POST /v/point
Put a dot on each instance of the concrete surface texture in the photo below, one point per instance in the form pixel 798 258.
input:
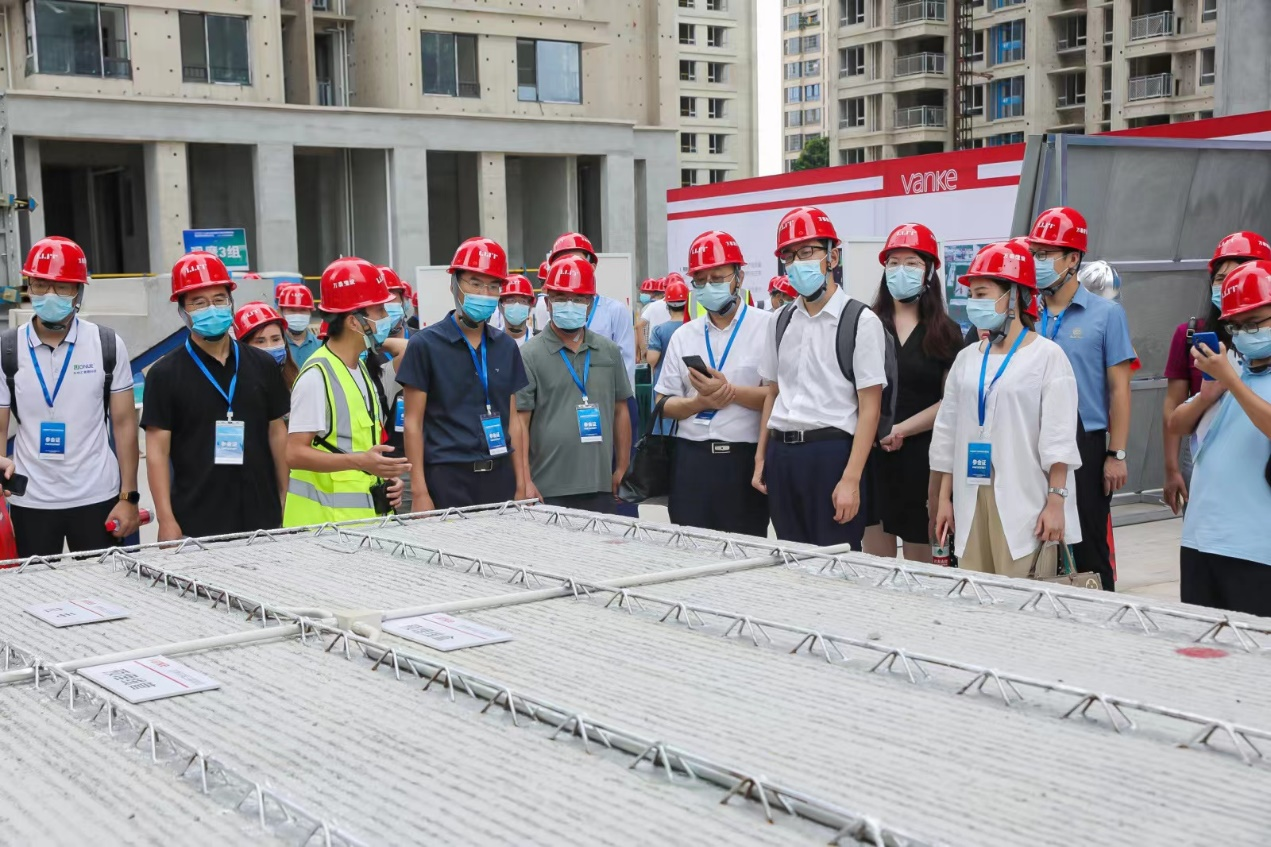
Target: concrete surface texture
pixel 392 742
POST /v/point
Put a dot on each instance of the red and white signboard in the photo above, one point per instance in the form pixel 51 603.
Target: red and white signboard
pixel 965 196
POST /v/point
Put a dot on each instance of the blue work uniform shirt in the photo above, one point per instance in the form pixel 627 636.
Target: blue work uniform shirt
pixel 614 321
pixel 1095 335
pixel 438 362
pixel 302 351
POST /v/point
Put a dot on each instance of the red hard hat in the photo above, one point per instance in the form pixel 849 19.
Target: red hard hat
pixel 294 295
pixel 659 285
pixel 1246 288
pixel 572 275
pixel 252 275
pixel 56 259
pixel 1060 227
pixel 648 286
pixel 782 284
pixel 253 316
pixel 199 270
pixel 517 286
pixel 915 237
pixel 350 284
pixel 806 223
pixel 572 241
pixel 1242 246
pixel 713 249
pixel 1006 261
pixel 482 256
pixel 392 280
pixel 542 271
pixel 674 277
pixel 676 292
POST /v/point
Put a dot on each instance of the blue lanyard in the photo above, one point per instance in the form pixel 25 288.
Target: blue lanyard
pixel 1059 319
pixel 595 307
pixel 581 383
pixel 984 366
pixel 482 367
pixel 706 331
pixel 233 383
pixel 35 363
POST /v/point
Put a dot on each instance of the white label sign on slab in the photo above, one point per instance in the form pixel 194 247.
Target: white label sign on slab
pixel 445 632
pixel 71 612
pixel 153 678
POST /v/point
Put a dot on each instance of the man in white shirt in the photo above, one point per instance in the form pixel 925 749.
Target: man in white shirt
pixel 718 411
pixel 818 427
pixel 58 393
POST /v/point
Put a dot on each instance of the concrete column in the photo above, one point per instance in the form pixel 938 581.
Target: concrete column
pixel 34 187
pixel 276 240
pixel 617 203
pixel 492 196
pixel 571 194
pixel 408 185
pixel 1241 63
pixel 167 202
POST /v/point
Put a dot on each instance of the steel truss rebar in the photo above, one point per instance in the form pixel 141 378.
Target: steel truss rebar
pixel 571 723
pixel 1097 607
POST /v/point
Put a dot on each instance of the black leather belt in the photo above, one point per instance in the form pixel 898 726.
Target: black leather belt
pixel 483 466
pixel 804 436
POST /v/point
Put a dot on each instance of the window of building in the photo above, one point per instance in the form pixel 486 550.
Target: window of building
pixel 1007 42
pixel 852 61
pixel 83 39
pixel 794 70
pixel 1003 4
pixel 716 143
pixel 794 94
pixel 811 43
pixel 450 64
pixel 851 12
pixel 688 34
pixel 717 72
pixel 852 112
pixel 794 118
pixel 688 177
pixel 715 36
pixel 686 4
pixel 852 156
pixel 717 175
pixel 214 49
pixel 688 107
pixel 1006 98
pixel 1072 33
pixel 812 93
pixel 973 100
pixel 548 71
pixel 793 45
pixel 716 6
pixel 715 108
pixel 688 142
pixel 794 143
pixel 811 19
pixel 1207 66
pixel 811 117
pixel 791 22
pixel 1072 90
pixel 688 70
pixel 1209 10
pixel 812 67
pixel 1005 138
pixel 977 46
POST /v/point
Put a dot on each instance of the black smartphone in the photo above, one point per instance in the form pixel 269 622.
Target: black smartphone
pixel 696 363
pixel 1210 340
pixel 16 484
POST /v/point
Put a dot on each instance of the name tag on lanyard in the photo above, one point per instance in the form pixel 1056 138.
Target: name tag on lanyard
pixel 230 437
pixel 492 426
pixel 589 430
pixel 979 463
pixel 979 457
pixel 52 433
pixel 399 415
pixel 52 441
pixel 707 415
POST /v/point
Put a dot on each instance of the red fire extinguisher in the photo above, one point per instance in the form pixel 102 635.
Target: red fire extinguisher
pixel 8 543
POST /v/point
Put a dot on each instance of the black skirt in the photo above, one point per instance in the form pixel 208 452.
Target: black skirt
pixel 900 482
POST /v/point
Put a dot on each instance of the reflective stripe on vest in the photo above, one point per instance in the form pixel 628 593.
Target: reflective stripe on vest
pixel 338 406
pixel 334 500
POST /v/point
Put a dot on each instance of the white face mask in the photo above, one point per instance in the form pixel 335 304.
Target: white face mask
pixel 297 323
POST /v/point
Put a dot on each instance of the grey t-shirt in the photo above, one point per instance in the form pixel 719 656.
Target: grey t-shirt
pixel 560 463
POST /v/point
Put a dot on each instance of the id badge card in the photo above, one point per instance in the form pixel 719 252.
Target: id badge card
pixel 229 443
pixel 706 415
pixel 492 425
pixel 589 424
pixel 399 415
pixel 52 441
pixel 979 463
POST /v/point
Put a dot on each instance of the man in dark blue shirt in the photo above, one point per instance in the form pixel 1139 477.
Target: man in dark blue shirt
pixel 460 377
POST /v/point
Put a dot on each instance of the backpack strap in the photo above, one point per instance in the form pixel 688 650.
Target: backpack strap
pixel 109 360
pixel 9 363
pixel 1191 330
pixel 849 325
pixel 783 321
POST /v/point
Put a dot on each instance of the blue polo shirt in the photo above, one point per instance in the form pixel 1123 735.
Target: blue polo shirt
pixel 438 362
pixel 301 352
pixel 1094 334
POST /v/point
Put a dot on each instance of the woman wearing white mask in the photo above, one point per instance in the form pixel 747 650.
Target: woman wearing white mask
pixel 260 325
pixel 515 302
pixel 911 306
pixel 1004 444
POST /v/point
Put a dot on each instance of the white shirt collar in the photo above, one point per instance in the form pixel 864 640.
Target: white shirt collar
pixel 834 305
pixel 72 334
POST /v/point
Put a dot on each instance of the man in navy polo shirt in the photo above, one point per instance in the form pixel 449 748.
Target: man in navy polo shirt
pixel 460 376
pixel 1094 334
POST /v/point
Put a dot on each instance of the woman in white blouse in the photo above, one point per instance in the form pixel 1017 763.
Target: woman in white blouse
pixel 1005 440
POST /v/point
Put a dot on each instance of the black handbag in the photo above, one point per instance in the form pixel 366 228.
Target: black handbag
pixel 650 471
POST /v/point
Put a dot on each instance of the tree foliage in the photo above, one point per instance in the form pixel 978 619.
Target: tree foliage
pixel 816 154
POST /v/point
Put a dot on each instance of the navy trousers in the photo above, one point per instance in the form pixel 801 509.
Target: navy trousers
pixel 710 488
pixel 801 480
pixel 456 484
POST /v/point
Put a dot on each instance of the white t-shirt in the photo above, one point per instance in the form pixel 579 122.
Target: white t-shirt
pixel 1031 421
pixel 89 472
pixel 655 314
pixel 812 391
pixel 309 400
pixel 733 423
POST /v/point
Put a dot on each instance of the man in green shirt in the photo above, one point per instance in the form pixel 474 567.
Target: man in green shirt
pixel 575 406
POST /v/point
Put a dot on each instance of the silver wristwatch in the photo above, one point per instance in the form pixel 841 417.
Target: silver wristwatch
pixel 1062 492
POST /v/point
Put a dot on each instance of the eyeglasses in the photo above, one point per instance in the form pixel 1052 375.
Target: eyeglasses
pixel 915 263
pixel 577 300
pixel 807 251
pixel 472 286
pixel 1245 329
pixel 699 284
pixel 196 304
pixel 62 289
pixel 1046 255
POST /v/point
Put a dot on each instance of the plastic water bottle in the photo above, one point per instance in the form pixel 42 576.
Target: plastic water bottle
pixel 143 514
pixel 940 553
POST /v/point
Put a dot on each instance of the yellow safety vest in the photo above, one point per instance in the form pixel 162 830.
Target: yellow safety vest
pixel 314 498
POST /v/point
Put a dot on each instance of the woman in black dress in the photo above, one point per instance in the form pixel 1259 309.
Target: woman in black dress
pixel 910 303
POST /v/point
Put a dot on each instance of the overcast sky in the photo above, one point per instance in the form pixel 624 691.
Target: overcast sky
pixel 768 118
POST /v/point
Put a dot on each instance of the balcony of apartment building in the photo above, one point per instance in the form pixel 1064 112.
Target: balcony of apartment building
pixel 920 117
pixel 1170 26
pixel 1151 87
pixel 919 18
pixel 1070 102
pixel 920 63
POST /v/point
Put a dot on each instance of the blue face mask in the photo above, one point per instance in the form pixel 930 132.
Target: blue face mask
pixel 516 313
pixel 1215 296
pixel 904 283
pixel 984 314
pixel 383 326
pixel 646 298
pixel 479 307
pixel 213 322
pixel 1254 346
pixel 1048 278
pixel 714 296
pixel 569 316
pixel 52 308
pixel 396 312
pixel 279 353
pixel 806 277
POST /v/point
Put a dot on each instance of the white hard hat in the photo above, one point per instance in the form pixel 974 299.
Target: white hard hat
pixel 1100 278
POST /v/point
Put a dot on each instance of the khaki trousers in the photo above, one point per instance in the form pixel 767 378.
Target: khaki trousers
pixel 987 550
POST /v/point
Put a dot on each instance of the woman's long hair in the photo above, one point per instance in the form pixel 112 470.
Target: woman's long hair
pixel 1213 317
pixel 943 339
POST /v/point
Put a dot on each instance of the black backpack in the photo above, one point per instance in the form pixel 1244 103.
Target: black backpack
pixel 849 321
pixel 9 364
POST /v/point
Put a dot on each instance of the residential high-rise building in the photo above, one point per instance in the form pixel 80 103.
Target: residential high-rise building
pixel 804 95
pixel 716 73
pixel 922 76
